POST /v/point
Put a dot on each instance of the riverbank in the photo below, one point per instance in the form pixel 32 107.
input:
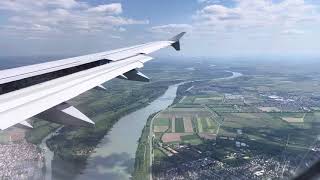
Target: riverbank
pixel 142 167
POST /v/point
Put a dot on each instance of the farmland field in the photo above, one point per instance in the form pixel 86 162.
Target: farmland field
pixel 200 127
pixel 161 122
pixel 179 125
pixel 191 139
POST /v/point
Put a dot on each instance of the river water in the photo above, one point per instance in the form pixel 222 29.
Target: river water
pixel 48 154
pixel 114 157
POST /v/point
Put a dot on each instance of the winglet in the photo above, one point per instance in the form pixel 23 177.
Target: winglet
pixel 176 40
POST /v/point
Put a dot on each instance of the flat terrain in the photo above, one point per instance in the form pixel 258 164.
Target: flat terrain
pixel 261 121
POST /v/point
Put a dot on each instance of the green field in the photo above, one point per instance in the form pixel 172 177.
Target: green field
pixel 162 122
pixel 188 100
pixel 158 154
pixel 191 139
pixel 179 126
pixel 200 126
pixel 207 125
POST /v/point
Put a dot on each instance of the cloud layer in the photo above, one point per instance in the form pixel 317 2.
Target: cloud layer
pixel 255 15
pixel 230 26
pixel 62 17
pixel 247 16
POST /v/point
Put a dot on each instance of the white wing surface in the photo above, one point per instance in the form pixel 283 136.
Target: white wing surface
pixel 42 89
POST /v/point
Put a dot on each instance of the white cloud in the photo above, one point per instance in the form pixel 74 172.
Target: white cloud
pixel 293 32
pixel 114 8
pixel 62 17
pixel 115 37
pixel 253 15
pixel 23 5
pixel 171 28
pixel 121 29
pixel 60 3
pixel 209 1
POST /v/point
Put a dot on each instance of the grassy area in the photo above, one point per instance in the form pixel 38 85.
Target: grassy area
pixel 205 124
pixel 179 126
pixel 40 130
pixel 195 125
pixel 192 139
pixel 161 122
pixel 158 154
pixel 200 126
pixel 188 100
pixel 142 160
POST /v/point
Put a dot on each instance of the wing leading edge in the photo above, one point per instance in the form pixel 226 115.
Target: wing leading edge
pixel 41 90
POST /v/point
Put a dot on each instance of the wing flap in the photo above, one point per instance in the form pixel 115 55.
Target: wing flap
pixel 135 75
pixel 67 115
pixel 100 88
pixel 25 124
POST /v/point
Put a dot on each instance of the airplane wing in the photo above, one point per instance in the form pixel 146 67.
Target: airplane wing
pixel 41 90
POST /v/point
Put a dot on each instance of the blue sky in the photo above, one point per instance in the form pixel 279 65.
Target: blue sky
pixel 215 27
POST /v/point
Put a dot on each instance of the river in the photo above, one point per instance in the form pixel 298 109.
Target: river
pixel 48 154
pixel 114 157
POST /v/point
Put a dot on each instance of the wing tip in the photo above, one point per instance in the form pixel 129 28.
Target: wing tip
pixel 177 37
pixel 176 40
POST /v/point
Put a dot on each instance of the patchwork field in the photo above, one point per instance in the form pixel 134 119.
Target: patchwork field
pixel 198 118
pixel 185 125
